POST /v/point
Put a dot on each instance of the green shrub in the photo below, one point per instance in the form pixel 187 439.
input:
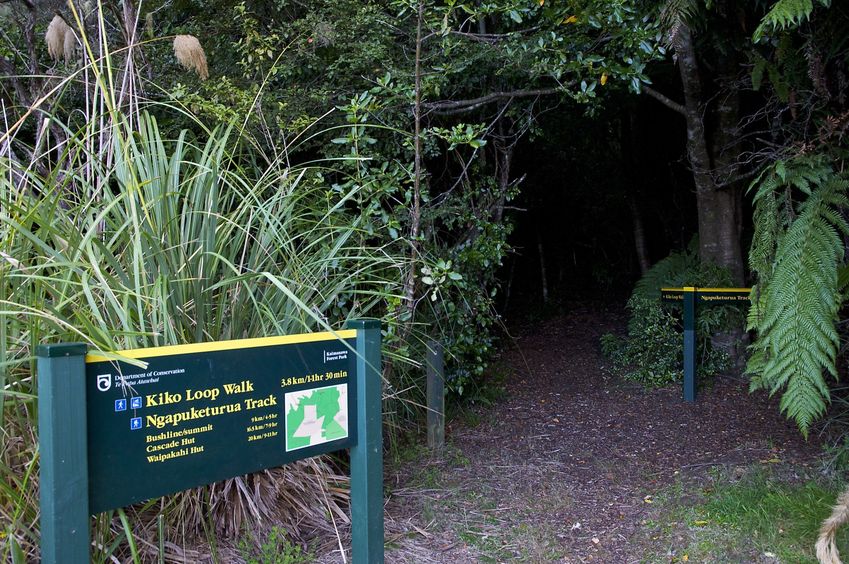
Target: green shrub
pixel 652 353
pixel 276 549
pixel 186 243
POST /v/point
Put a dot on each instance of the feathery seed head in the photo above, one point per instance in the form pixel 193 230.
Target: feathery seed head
pixel 70 46
pixel 55 37
pixel 190 54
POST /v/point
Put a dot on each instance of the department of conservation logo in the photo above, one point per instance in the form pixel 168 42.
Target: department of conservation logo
pixel 104 382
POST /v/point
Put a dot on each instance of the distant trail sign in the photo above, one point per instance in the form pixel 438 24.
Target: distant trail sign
pixel 202 413
pixel 690 296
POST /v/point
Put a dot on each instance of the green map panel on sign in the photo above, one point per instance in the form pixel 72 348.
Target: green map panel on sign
pixel 316 416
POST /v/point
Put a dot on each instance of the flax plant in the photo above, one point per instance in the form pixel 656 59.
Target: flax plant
pixel 175 243
pixel 117 237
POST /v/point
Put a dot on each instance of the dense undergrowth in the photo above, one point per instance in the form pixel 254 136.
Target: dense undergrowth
pixel 145 227
pixel 651 352
pixel 177 242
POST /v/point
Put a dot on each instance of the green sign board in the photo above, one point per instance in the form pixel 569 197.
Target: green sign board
pixel 112 433
pixel 202 413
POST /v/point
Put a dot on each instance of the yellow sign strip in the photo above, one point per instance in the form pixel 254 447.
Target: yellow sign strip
pixel 225 345
pixel 693 289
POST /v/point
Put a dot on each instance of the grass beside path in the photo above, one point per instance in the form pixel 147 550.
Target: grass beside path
pixel 754 514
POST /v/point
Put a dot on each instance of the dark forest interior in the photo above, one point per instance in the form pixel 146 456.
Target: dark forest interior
pixel 585 179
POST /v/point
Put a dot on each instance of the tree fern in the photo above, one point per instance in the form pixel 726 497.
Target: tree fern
pixel 675 12
pixel 797 254
pixel 785 14
pixel 675 270
pixel 774 212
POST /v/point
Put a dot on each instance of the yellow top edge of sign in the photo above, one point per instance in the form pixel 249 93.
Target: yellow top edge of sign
pixel 226 345
pixel 693 289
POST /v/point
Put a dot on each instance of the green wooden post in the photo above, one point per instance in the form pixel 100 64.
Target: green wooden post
pixel 435 395
pixel 367 455
pixel 690 344
pixel 62 438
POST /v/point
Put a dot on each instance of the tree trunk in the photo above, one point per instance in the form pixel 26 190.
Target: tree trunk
pixel 719 232
pixel 718 208
pixel 725 153
pixel 409 302
pixel 629 143
pixel 639 235
pixel 542 274
pixel 503 161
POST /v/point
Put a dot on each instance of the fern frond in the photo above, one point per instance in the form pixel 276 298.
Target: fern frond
pixel 667 272
pixel 755 314
pixel 768 229
pixel 674 12
pixel 800 296
pixel 786 14
pixel 801 405
pixel 774 211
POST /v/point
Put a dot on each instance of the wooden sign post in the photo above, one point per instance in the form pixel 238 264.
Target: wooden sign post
pixel 690 296
pixel 112 434
pixel 435 395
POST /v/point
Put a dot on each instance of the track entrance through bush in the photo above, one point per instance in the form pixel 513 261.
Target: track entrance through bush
pixel 572 464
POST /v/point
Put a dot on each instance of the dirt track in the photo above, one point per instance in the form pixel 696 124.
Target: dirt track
pixel 566 468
